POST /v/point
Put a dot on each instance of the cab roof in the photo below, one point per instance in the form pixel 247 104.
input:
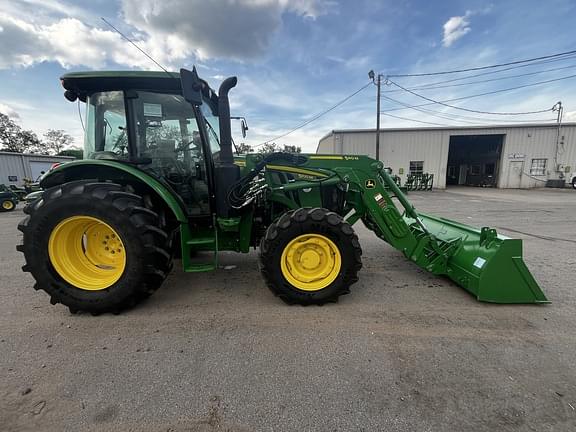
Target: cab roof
pixel 86 83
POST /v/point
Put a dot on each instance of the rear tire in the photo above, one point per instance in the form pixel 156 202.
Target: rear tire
pixel 7 205
pixel 146 247
pixel 310 256
pixel 574 182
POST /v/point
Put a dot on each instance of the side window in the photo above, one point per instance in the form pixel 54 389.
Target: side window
pixel 106 134
pixel 538 167
pixel 416 167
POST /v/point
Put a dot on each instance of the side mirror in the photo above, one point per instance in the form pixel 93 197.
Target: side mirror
pixel 244 127
pixel 191 86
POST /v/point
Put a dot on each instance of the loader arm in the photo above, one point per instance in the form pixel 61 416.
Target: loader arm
pixel 485 263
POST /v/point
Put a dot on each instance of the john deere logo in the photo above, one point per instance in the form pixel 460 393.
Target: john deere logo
pixel 370 184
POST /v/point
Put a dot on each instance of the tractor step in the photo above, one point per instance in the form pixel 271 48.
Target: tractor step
pixel 198 268
pixel 196 244
pixel 201 243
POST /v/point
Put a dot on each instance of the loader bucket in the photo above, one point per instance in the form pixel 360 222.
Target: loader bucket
pixel 487 264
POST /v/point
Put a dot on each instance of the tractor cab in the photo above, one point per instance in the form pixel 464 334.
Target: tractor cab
pixel 143 119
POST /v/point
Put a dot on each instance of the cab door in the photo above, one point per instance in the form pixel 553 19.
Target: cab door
pixel 170 134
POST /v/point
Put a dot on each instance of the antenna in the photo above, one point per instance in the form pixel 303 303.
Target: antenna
pixel 137 47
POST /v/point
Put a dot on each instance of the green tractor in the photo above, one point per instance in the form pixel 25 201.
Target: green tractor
pixel 8 199
pixel 160 180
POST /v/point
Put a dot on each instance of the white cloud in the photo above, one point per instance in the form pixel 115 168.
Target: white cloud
pixel 170 31
pixel 9 111
pixel 455 28
pixel 70 42
pixel 354 62
pixel 209 29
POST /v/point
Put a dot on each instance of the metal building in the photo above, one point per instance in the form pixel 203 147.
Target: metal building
pixel 504 156
pixel 15 167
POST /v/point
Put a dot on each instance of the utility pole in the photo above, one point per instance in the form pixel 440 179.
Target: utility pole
pixel 378 119
pixel 377 80
pixel 558 107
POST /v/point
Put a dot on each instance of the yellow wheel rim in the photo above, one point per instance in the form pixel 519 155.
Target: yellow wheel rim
pixel 87 253
pixel 8 205
pixel 311 262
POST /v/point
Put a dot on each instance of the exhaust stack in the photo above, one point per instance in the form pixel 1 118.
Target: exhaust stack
pixel 226 173
pixel 226 156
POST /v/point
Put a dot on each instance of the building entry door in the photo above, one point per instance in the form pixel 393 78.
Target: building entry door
pixel 515 169
pixel 462 174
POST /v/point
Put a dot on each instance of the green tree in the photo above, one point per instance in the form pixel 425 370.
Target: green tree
pixel 244 148
pixel 14 139
pixel 291 149
pixel 269 147
pixel 75 152
pixel 157 132
pixel 56 140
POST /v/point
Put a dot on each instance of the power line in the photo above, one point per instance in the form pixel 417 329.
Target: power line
pixel 426 122
pixel 433 86
pixel 414 120
pixel 570 57
pixel 138 48
pixel 458 117
pixel 496 71
pixel 484 67
pixel 487 93
pixel 316 116
pixel 432 101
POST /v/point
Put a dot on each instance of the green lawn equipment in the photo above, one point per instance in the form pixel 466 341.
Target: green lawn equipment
pixel 8 199
pixel 420 181
pixel 19 191
pixel 160 179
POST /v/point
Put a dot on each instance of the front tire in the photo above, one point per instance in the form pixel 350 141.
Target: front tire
pixel 574 182
pixel 310 256
pixel 94 247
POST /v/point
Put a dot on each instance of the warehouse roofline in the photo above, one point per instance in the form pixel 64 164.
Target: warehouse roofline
pixel 444 128
pixel 36 155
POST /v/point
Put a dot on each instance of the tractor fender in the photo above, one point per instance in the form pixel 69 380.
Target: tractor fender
pixel 109 170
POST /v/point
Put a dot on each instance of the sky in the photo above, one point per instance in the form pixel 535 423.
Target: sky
pixel 295 59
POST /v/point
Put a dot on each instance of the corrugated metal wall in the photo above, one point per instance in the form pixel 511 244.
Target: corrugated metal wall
pixel 400 146
pixel 17 166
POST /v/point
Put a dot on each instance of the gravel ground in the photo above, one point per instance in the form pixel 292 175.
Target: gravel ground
pixel 405 351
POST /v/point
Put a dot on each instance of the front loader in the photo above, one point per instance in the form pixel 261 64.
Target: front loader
pixel 160 180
